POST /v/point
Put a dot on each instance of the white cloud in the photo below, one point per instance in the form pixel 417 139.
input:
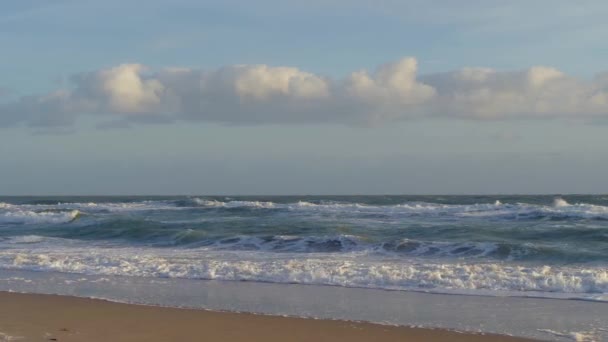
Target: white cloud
pixel 125 91
pixel 392 83
pixel 244 94
pixel 538 92
pixel 262 82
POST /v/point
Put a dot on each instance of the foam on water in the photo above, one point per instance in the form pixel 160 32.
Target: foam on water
pixel 94 207
pixel 8 338
pixel 24 239
pixel 349 270
pixel 20 216
pixel 476 245
pixel 525 317
pixel 576 336
pixel 233 204
pixel 559 209
pixel 560 202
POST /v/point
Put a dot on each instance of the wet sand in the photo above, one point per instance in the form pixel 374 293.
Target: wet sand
pixel 32 317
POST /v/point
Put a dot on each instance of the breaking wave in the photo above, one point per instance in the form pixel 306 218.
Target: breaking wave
pixel 38 217
pixel 560 209
pixel 481 278
pixel 473 244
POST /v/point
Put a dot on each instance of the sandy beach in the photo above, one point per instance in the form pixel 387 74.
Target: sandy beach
pixel 32 317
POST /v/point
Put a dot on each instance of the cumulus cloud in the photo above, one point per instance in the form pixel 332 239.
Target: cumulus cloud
pixel 248 94
pixel 538 92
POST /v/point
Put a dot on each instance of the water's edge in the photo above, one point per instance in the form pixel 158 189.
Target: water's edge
pixel 524 317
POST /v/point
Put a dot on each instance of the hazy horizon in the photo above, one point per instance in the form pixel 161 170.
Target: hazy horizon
pixel 303 195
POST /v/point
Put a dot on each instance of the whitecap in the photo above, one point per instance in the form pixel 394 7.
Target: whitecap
pixel 32 217
pixel 349 270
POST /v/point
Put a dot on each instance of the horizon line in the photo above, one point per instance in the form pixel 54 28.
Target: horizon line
pixel 307 195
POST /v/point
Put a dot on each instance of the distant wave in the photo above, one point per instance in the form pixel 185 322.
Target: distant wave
pixel 31 217
pixel 233 204
pixel 560 202
pixel 188 240
pixel 559 210
pixel 92 206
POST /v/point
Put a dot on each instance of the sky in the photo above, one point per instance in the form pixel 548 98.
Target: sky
pixel 317 97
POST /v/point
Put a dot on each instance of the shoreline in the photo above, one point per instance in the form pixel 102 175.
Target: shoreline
pixel 43 317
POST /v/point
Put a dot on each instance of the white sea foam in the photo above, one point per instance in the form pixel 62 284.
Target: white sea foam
pixel 350 270
pixel 24 239
pixel 208 203
pixel 4 205
pixel 92 206
pixel 8 338
pixel 560 208
pixel 577 336
pixel 30 217
pixel 239 204
pixel 560 202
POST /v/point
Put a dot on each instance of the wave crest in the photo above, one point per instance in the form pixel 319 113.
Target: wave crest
pixel 434 277
pixel 558 210
pixel 559 202
pixel 41 217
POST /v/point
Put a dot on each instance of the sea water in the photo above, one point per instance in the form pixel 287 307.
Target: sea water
pixel 552 247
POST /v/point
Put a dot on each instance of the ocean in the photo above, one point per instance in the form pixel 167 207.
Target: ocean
pixel 491 246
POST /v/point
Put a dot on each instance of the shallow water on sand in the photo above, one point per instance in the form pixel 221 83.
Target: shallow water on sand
pixel 545 319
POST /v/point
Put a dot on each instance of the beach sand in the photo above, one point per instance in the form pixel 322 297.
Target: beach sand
pixel 32 317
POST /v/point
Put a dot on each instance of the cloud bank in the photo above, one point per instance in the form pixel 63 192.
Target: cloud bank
pixel 259 94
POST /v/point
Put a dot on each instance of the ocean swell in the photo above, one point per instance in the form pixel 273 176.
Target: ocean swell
pixel 559 210
pixel 464 244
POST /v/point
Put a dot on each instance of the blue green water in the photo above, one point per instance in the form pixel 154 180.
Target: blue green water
pixel 525 245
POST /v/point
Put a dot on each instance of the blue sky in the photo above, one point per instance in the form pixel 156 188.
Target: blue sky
pixel 189 97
